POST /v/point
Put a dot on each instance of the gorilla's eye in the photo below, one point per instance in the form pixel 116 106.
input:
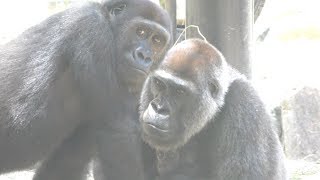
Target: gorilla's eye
pixel 214 88
pixel 180 91
pixel 156 39
pixel 158 83
pixel 118 9
pixel 141 32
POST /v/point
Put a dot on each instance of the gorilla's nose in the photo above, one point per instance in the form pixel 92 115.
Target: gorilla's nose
pixel 143 57
pixel 159 107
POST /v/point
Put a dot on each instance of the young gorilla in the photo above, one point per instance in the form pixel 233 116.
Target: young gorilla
pixel 206 121
pixel 72 82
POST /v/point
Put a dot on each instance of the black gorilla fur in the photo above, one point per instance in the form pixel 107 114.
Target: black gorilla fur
pixel 205 120
pixel 69 87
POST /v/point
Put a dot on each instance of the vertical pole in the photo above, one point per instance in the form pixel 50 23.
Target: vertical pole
pixel 171 7
pixel 227 24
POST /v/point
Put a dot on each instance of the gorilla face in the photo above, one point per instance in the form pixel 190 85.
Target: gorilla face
pixel 142 40
pixel 182 95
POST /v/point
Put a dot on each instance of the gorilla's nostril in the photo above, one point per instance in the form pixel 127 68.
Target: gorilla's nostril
pixel 159 109
pixel 140 55
pixel 163 111
pixel 154 106
pixel 147 60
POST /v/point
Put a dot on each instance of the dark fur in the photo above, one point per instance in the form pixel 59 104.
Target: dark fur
pixel 218 130
pixel 67 85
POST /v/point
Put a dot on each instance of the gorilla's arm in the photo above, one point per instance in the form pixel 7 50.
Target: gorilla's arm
pixel 40 101
pixel 71 159
pixel 120 148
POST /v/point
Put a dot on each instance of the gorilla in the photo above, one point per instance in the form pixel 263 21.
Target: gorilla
pixel 69 89
pixel 205 121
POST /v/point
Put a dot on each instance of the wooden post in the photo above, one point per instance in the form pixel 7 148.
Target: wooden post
pixel 171 7
pixel 227 24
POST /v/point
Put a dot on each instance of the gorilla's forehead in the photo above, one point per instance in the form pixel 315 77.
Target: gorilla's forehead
pixel 147 10
pixel 165 74
pixel 191 58
pixel 151 11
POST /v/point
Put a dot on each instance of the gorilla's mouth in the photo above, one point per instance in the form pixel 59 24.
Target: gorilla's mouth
pixel 140 71
pixel 158 138
pixel 154 122
pixel 130 62
pixel 156 127
pixel 155 131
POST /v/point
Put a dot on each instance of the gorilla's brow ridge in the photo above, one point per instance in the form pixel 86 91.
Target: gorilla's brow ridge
pixel 177 80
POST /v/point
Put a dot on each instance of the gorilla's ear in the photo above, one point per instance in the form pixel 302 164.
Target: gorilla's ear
pixel 117 9
pixel 113 9
pixel 214 88
pixel 105 10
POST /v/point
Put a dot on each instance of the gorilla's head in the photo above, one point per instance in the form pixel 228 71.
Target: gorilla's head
pixel 142 32
pixel 181 96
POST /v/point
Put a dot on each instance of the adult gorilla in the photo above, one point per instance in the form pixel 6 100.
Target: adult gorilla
pixel 71 82
pixel 206 121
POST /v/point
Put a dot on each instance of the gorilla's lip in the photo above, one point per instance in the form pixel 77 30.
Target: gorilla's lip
pixel 156 127
pixel 132 59
pixel 155 132
pixel 140 71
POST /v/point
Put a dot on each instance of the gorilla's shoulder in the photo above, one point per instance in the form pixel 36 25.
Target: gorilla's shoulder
pixel 241 88
pixel 243 99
